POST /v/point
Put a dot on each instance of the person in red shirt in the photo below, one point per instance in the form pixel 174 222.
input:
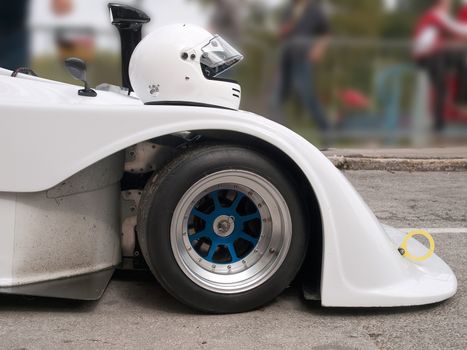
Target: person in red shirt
pixel 462 15
pixel 434 34
pixel 461 96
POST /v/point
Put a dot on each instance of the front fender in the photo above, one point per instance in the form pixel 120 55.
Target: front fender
pixel 42 145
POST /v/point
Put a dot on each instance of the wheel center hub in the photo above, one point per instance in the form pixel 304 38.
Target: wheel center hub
pixel 224 225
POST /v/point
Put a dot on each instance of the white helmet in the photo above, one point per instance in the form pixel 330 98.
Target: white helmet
pixel 178 64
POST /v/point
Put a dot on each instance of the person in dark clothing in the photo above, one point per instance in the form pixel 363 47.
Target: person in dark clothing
pixel 305 34
pixel 461 97
pixel 14 36
pixel 14 44
pixel 226 19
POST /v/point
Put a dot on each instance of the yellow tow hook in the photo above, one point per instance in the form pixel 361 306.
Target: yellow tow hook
pixel 405 252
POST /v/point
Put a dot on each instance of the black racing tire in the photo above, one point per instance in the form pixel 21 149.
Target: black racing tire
pixel 160 199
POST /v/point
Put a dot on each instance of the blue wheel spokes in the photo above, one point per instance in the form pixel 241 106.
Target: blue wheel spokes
pixel 211 252
pixel 248 238
pixel 232 252
pixel 246 218
pixel 201 215
pixel 215 198
pixel 237 200
pixel 230 247
pixel 196 236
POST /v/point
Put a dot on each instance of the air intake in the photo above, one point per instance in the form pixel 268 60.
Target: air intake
pixel 129 22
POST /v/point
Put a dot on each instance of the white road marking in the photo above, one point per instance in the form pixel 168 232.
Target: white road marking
pixel 436 230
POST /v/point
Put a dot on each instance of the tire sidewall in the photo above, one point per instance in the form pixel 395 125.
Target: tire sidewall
pixel 162 196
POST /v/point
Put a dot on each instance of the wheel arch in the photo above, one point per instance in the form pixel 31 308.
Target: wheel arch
pixel 310 272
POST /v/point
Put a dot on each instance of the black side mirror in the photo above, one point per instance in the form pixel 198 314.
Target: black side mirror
pixel 77 69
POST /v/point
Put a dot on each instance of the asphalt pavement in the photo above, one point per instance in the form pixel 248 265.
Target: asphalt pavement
pixel 136 313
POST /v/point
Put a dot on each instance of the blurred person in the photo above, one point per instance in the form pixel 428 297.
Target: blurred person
pixel 14 36
pixel 304 33
pixel 434 33
pixel 462 59
pixel 462 15
pixel 226 19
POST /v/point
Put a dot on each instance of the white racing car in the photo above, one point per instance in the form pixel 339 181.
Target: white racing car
pixel 225 207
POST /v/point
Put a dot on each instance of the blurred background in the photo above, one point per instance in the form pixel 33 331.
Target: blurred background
pixel 339 72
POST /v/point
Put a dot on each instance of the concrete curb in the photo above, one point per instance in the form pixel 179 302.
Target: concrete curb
pixel 448 165
pixel 446 160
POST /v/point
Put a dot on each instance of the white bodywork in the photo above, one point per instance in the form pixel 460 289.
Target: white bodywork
pixel 48 134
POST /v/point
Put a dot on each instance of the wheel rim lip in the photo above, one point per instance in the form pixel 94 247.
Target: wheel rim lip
pixel 260 264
